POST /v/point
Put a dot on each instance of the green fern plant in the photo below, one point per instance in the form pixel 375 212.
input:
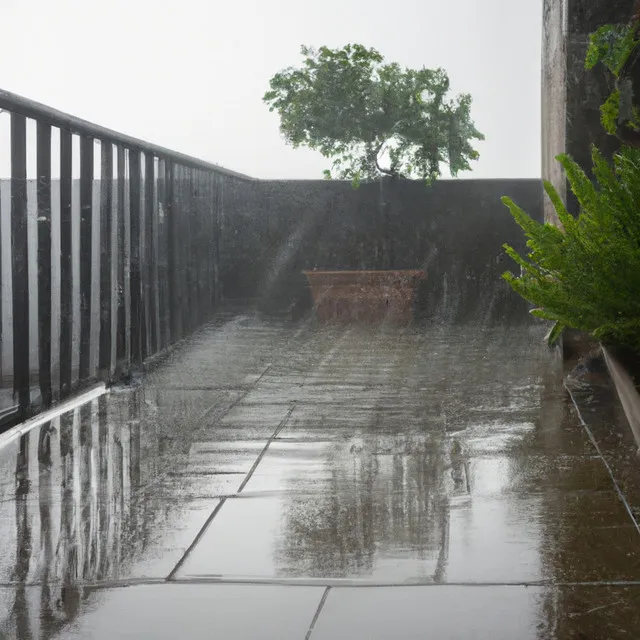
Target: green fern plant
pixel 613 45
pixel 586 276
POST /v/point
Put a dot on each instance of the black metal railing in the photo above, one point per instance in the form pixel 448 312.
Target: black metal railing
pixel 130 236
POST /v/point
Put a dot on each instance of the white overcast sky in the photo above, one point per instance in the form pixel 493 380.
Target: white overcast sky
pixel 190 75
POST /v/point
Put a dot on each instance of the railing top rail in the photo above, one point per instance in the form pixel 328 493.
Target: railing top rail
pixel 32 109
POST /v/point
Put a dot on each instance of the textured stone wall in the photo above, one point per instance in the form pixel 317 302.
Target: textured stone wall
pixel 273 230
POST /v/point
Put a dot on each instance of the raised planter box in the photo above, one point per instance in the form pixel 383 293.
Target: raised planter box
pixel 619 370
pixel 364 296
pixel 621 366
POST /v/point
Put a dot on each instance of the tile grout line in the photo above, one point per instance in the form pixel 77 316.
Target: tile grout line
pixel 306 583
pixel 317 584
pixel 207 412
pixel 279 428
pixel 592 438
pixel 214 513
pixel 323 600
pixel 196 540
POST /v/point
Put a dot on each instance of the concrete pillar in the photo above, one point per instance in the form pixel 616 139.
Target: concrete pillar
pixel 571 95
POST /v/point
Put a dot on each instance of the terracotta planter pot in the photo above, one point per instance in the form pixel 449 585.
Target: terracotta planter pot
pixel 364 296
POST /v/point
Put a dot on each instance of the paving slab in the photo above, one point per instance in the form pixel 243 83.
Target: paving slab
pixel 167 612
pixel 481 613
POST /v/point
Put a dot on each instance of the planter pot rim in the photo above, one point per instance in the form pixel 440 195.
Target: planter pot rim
pixel 364 295
pixel 365 271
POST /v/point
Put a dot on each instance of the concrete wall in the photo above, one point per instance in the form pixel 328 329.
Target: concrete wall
pixel 571 95
pixel 274 230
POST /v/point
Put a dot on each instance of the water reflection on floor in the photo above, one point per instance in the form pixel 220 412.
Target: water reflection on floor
pixel 335 457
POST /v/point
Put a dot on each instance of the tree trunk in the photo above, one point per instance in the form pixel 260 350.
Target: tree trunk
pixel 385 242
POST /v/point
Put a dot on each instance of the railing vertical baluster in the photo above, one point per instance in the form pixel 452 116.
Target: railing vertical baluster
pixel 155 284
pixel 137 315
pixel 203 307
pixel 45 266
pixel 190 310
pixel 215 200
pixel 183 252
pixel 150 253
pixel 3 337
pixel 86 261
pixel 180 246
pixel 195 245
pixel 206 262
pixel 161 245
pixel 66 271
pixel 114 261
pixel 208 242
pixel 212 242
pixel 220 234
pixel 127 262
pixel 218 230
pixel 172 267
pixel 121 332
pixel 105 366
pixel 144 257
pixel 19 249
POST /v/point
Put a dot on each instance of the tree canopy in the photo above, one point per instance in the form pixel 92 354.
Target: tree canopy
pixel 373 118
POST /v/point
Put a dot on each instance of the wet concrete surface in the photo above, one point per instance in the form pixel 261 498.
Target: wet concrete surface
pixel 277 480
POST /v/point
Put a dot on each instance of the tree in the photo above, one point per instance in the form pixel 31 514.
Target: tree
pixel 373 118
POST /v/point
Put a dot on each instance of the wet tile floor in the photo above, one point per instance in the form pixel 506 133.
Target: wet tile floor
pixel 271 480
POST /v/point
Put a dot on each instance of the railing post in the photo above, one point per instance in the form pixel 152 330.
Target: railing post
pixel 44 259
pixel 105 366
pixel 194 248
pixel 66 271
pixel 179 239
pixel 122 336
pixel 19 253
pixel 161 247
pixel 155 255
pixel 86 257
pixel 172 267
pixel 150 254
pixel 137 312
pixel 184 250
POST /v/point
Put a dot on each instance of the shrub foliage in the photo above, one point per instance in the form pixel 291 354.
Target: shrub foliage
pixel 586 275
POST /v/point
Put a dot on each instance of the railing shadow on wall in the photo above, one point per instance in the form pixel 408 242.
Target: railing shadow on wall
pixel 105 262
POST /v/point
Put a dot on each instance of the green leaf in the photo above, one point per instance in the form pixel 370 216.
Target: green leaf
pixel 555 334
pixel 609 113
pixel 611 45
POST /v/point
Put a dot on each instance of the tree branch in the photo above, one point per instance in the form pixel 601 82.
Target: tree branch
pixel 386 172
